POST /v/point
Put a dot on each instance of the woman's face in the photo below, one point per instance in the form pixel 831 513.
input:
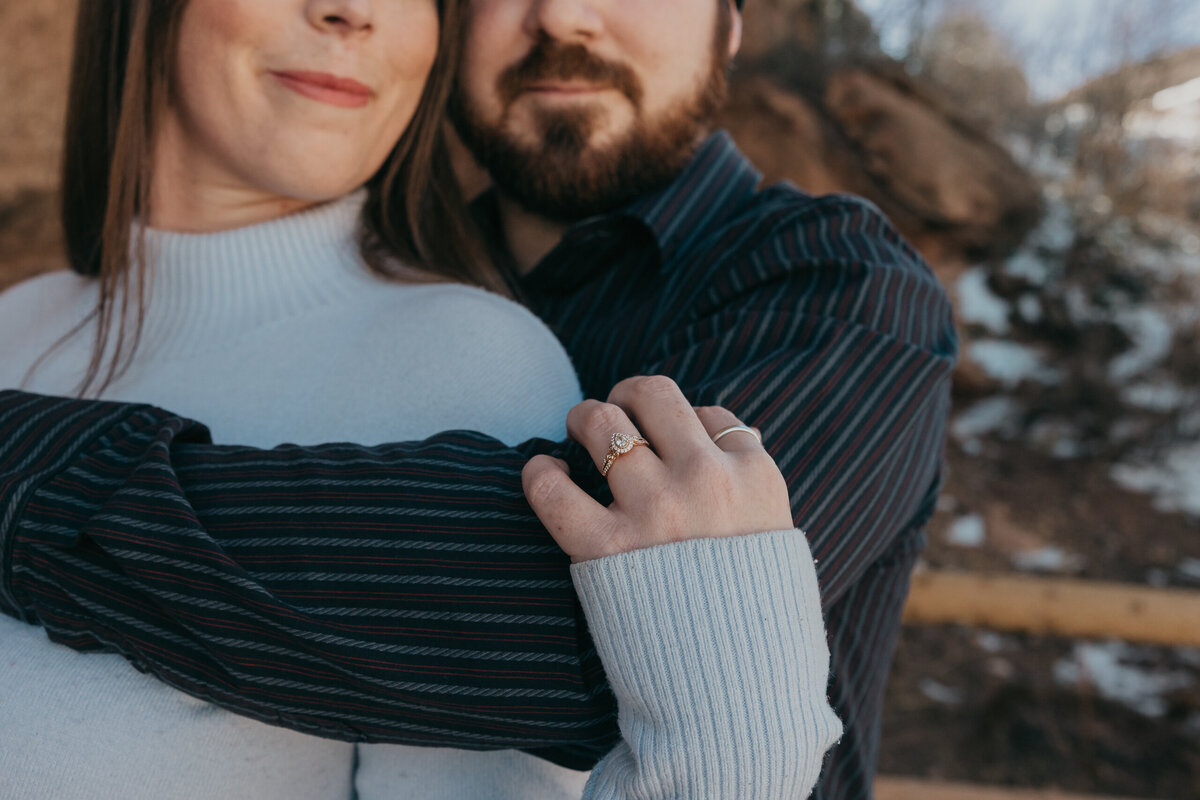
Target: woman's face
pixel 279 104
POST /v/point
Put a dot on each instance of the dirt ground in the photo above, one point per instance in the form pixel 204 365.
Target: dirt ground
pixel 1005 721
pixel 999 716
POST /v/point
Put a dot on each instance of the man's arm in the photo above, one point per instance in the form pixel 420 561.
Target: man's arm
pixel 835 340
pixel 403 593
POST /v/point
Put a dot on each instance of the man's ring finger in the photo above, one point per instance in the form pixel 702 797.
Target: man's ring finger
pixel 620 444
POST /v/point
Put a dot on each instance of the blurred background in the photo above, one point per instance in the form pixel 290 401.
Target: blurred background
pixel 1044 155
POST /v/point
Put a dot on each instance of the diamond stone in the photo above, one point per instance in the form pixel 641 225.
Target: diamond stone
pixel 622 442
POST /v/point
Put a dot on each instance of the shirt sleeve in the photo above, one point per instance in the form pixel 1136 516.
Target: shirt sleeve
pixel 715 649
pixel 402 594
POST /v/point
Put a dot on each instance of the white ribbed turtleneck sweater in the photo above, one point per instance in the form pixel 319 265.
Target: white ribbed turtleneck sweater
pixel 278 333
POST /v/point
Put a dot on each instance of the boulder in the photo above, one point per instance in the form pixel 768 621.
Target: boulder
pixel 875 132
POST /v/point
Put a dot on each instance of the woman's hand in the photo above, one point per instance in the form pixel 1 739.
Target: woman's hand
pixel 686 487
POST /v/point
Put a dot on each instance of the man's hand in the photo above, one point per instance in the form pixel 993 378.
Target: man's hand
pixel 686 487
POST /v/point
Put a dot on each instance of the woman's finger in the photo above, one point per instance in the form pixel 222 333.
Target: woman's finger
pixel 737 437
pixel 661 410
pixel 571 516
pixel 593 424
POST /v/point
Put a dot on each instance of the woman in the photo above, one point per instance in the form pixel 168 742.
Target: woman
pixel 239 208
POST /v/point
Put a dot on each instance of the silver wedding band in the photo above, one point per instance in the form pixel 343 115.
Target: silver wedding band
pixel 737 429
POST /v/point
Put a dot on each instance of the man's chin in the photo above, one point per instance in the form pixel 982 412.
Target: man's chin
pixel 565 196
pixel 566 182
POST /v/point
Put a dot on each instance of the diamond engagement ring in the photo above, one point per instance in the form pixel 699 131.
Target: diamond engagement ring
pixel 620 444
pixel 738 429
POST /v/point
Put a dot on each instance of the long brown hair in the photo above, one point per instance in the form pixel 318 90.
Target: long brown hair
pixel 414 219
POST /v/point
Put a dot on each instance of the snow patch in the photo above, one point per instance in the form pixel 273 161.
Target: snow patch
pixel 1183 94
pixel 985 417
pixel 991 642
pixel 1080 307
pixel 940 692
pixel 1152 334
pixel 1058 437
pixel 1160 396
pixel 977 304
pixel 1028 267
pixel 1173 114
pixel 1030 308
pixel 1047 559
pixel 1011 362
pixel 1173 480
pixel 1107 667
pixel 968 531
pixel 1057 231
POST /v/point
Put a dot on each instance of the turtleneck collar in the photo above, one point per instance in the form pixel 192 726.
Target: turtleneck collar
pixel 219 285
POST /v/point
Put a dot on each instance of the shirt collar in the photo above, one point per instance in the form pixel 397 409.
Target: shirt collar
pixel 717 182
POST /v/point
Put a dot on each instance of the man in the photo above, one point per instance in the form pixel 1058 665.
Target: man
pixel 645 244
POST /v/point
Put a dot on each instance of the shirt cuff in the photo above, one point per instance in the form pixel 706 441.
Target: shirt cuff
pixel 716 652
pixel 40 438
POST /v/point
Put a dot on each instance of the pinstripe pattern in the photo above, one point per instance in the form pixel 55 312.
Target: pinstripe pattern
pixel 406 593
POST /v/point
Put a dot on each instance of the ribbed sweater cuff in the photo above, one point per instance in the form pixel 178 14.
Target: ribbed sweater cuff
pixel 716 652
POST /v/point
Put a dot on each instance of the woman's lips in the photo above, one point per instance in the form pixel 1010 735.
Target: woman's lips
pixel 326 88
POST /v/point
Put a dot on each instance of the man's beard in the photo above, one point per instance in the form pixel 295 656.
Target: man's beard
pixel 561 177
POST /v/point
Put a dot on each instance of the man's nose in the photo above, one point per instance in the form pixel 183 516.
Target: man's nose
pixel 341 16
pixel 570 21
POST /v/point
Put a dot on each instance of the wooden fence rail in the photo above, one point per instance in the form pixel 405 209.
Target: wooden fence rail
pixel 912 789
pixel 1063 607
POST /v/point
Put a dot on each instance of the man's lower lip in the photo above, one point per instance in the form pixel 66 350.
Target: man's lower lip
pixel 322 94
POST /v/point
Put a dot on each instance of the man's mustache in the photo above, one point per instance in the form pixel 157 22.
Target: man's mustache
pixel 553 61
